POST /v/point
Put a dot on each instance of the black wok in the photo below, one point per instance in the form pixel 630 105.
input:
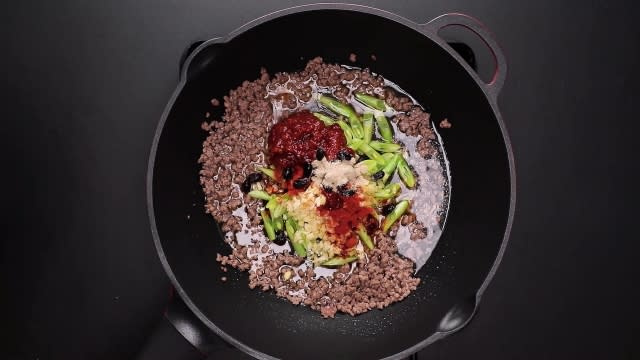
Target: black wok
pixel 482 197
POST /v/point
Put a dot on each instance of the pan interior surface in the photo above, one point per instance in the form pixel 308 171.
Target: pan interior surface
pixel 480 183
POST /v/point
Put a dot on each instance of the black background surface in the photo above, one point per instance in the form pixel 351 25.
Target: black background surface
pixel 84 85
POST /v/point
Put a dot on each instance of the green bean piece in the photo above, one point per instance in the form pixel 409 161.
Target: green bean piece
pixel 356 127
pixel 269 172
pixel 278 211
pixel 337 261
pixel 355 144
pixel 385 147
pixel 278 224
pixel 364 236
pixel 259 194
pixel 371 153
pixel 405 172
pixel 367 124
pixel 388 192
pixel 344 110
pixel 268 226
pixel 397 212
pixel 348 134
pixel 271 204
pixel 388 156
pixel 371 165
pixel 289 226
pixel 299 249
pixel 327 120
pixel 384 127
pixel 371 101
pixel 390 168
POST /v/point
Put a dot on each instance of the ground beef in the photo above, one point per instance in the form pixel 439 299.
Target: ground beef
pixel 236 145
pixel 445 124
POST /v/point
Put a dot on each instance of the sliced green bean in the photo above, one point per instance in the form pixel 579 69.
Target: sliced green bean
pixel 344 110
pixel 405 172
pixel 355 144
pixel 390 168
pixel 385 147
pixel 371 165
pixel 259 194
pixel 388 156
pixel 278 211
pixel 299 249
pixel 268 226
pixel 269 172
pixel 367 125
pixel 290 227
pixel 371 153
pixel 278 223
pixel 388 192
pixel 397 212
pixel 348 134
pixel 371 101
pixel 364 237
pixel 356 127
pixel 337 261
pixel 327 120
pixel 384 127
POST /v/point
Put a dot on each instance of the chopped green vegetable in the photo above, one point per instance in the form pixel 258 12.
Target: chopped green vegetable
pixel 390 168
pixel 290 227
pixel 344 110
pixel 337 261
pixel 405 172
pixel 388 156
pixel 268 226
pixel 327 120
pixel 277 222
pixel 371 165
pixel 269 172
pixel 397 212
pixel 356 127
pixel 278 211
pixel 259 194
pixel 348 134
pixel 367 124
pixel 371 153
pixel 371 101
pixel 364 236
pixel 355 144
pixel 385 147
pixel 388 192
pixel 384 127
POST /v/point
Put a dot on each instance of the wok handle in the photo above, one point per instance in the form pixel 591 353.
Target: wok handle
pixel 197 56
pixel 181 335
pixel 452 19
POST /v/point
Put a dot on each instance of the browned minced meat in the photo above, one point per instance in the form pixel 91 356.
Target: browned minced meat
pixel 445 124
pixel 417 122
pixel 215 102
pixel 353 57
pixel 381 279
pixel 374 57
pixel 235 146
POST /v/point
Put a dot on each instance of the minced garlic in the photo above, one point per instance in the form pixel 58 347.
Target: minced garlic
pixel 335 173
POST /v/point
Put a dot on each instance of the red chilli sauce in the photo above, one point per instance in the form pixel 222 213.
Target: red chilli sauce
pixel 294 140
pixel 346 213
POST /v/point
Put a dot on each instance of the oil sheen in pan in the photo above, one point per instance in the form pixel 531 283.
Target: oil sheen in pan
pixel 430 199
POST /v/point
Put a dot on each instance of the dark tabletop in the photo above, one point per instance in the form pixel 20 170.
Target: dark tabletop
pixel 84 84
